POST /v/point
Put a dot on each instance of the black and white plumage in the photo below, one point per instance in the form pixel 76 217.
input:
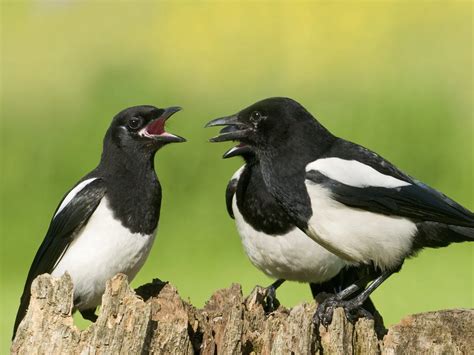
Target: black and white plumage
pixel 345 197
pixel 271 240
pixel 106 223
pixel 275 245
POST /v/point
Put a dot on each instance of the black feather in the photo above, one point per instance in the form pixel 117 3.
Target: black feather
pixel 229 195
pixel 417 201
pixel 61 233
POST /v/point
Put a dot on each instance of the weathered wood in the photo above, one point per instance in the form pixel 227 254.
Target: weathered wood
pixel 154 319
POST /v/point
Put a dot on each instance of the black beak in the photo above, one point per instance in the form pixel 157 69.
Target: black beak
pixel 240 131
pixel 170 111
pixel 156 128
pixel 240 150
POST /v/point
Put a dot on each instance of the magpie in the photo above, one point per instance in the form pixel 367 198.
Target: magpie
pixel 106 223
pixel 274 244
pixel 345 197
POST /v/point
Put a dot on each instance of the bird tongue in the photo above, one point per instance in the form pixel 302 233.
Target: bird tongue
pixel 157 127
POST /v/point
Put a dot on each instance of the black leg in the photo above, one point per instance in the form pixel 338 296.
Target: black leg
pixel 352 307
pixel 89 314
pixel 349 281
pixel 271 302
pixel 362 297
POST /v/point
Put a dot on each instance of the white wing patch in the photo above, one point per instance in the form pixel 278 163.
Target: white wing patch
pixel 354 173
pixel 357 235
pixel 72 194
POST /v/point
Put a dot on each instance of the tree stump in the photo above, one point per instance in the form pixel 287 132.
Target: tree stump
pixel 154 319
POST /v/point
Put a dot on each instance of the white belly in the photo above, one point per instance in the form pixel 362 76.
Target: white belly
pixel 357 235
pixel 292 256
pixel 102 249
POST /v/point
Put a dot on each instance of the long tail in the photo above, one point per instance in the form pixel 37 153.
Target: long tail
pixel 436 235
pixel 24 302
pixel 464 234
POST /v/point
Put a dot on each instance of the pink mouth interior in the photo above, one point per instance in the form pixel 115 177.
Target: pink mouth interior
pixel 157 127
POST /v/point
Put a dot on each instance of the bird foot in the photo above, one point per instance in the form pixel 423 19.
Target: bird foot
pixel 270 302
pixel 352 309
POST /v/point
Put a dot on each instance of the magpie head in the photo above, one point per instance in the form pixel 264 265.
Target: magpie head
pixel 142 128
pixel 265 124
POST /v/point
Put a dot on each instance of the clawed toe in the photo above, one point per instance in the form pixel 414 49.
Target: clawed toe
pixel 271 303
pixel 323 317
pixel 325 310
pixel 354 314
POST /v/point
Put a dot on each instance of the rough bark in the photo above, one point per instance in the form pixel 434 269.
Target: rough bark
pixel 154 319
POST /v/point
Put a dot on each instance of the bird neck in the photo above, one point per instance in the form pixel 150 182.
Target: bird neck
pixel 284 168
pixel 257 205
pixel 133 189
pixel 250 159
pixel 119 162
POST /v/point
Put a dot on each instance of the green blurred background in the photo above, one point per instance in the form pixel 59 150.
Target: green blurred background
pixel 393 76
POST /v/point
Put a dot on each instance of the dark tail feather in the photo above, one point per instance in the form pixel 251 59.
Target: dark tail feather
pixel 463 234
pixel 436 235
pixel 24 303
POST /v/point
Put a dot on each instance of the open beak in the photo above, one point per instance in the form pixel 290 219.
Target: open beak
pixel 238 150
pixel 237 133
pixel 156 128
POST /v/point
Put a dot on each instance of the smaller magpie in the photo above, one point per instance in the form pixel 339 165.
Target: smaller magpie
pixel 272 241
pixel 345 197
pixel 106 223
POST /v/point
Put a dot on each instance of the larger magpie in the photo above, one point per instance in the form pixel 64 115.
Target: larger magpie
pixel 345 197
pixel 275 245
pixel 107 222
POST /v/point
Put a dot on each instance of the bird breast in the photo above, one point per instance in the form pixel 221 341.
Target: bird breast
pixel 291 256
pixel 103 248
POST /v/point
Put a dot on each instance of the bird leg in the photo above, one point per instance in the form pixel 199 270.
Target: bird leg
pixel 271 302
pixel 89 314
pixel 352 307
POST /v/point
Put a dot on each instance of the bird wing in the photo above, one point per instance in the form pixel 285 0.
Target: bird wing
pixel 74 211
pixel 366 181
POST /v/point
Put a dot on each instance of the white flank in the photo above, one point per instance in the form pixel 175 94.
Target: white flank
pixel 103 248
pixel 357 235
pixel 354 173
pixel 292 256
pixel 73 193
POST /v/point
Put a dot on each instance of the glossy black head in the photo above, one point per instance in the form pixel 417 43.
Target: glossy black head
pixel 268 122
pixel 142 128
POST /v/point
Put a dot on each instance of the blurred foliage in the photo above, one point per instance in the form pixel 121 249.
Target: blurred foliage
pixel 393 76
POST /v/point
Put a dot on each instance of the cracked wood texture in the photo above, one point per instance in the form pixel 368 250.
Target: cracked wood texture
pixel 154 319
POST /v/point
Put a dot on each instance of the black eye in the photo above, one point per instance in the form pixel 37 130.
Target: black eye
pixel 134 122
pixel 255 116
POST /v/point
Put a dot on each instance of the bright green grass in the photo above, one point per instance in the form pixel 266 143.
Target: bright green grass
pixel 395 77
